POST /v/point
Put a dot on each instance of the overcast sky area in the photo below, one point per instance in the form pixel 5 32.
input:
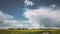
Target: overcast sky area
pixel 30 14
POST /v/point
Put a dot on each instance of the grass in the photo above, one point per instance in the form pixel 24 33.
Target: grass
pixel 28 31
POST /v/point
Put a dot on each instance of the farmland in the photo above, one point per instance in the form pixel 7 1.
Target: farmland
pixel 28 31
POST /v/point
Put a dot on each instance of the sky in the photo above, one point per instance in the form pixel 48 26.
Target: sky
pixel 30 14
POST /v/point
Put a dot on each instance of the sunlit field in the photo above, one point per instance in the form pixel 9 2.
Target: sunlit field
pixel 28 31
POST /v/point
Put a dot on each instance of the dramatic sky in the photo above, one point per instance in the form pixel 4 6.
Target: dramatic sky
pixel 29 14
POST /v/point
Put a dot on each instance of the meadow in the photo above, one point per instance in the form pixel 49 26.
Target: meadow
pixel 28 31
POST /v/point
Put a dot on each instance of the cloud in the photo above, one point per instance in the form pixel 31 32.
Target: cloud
pixel 37 18
pixel 28 3
pixel 5 16
pixel 43 17
pixel 52 5
pixel 7 21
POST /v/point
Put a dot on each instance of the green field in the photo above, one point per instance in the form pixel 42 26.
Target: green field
pixel 28 31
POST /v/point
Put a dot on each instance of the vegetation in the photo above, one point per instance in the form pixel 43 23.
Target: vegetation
pixel 26 31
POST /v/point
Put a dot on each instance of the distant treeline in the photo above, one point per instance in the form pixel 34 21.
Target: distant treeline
pixel 28 29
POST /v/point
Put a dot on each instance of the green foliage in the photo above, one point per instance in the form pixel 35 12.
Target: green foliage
pixel 28 31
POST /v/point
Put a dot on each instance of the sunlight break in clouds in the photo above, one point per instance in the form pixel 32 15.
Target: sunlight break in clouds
pixel 43 17
pixel 28 2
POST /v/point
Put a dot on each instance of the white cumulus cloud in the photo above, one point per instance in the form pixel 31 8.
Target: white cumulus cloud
pixel 28 3
pixel 43 17
pixel 7 21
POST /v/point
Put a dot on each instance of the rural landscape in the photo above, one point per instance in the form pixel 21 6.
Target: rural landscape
pixel 29 31
pixel 29 16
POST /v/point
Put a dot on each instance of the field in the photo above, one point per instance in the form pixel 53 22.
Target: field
pixel 28 31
